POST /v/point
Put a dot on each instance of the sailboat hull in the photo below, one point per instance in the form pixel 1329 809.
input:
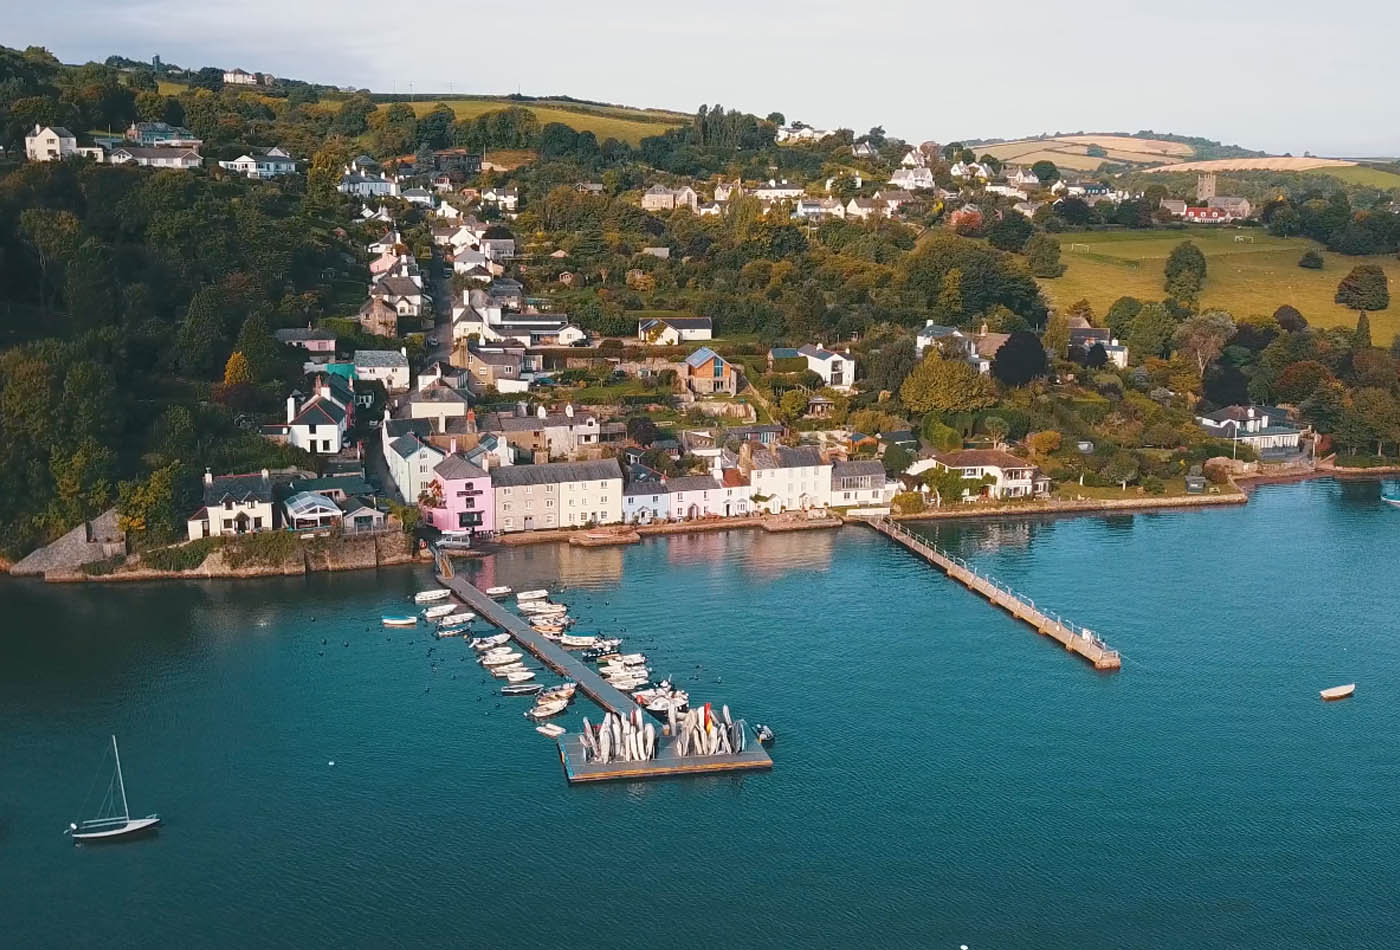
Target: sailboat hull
pixel 131 829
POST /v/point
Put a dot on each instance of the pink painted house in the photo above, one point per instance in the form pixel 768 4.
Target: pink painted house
pixel 467 502
pixel 320 342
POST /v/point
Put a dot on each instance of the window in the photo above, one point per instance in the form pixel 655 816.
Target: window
pixel 506 507
pixel 548 504
pixel 510 522
pixel 257 523
pixel 549 488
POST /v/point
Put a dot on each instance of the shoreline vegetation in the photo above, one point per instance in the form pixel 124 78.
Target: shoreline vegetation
pixel 296 556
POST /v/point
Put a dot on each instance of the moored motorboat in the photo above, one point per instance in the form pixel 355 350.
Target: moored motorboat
pixel 505 669
pixel 1338 692
pixel 439 610
pixel 578 642
pixel 521 689
pixel 528 595
pixel 398 621
pixel 489 643
pixel 501 591
pixel 428 596
pixel 456 620
pixel 764 734
pixel 500 659
pixel 520 676
pixel 547 708
pixel 564 692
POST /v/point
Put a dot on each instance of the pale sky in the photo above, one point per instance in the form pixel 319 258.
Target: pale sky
pixel 1279 75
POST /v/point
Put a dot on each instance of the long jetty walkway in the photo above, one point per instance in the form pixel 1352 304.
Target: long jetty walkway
pixel 1077 640
pixel 668 761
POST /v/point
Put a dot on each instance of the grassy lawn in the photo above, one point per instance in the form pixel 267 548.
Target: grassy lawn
pixel 1244 278
pixel 605 122
pixel 1175 486
pixel 1363 175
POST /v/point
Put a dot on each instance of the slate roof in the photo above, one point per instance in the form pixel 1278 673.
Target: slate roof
pixel 864 467
pixel 407 445
pixel 552 473
pixel 691 483
pixel 303 333
pixel 784 353
pixel 981 458
pixel 397 287
pixel 782 456
pixel 702 356
pixel 348 484
pixel 381 359
pixel 397 428
pixel 456 467
pixel 238 489
pixel 318 411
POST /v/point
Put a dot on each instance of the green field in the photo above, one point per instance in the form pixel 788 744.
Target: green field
pixel 605 122
pixel 1363 175
pixel 1245 278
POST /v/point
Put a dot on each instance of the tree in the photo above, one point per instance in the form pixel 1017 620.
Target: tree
pixel 1289 319
pixel 1096 357
pixel 1010 232
pixel 946 484
pixel 888 366
pixel 1019 360
pixel 236 371
pixel 1151 332
pixel 1373 416
pixel 1122 467
pixel 1045 170
pixel 1361 337
pixel 1055 339
pixel 201 337
pixel 259 348
pixel 53 236
pixel 146 507
pixel 1043 444
pixel 1185 271
pixel 793 404
pixel 997 428
pixel 642 430
pixel 1202 338
pixel 1043 256
pixel 947 385
pixel 90 286
pixel 950 299
pixel 1121 314
pixel 1298 380
pixel 1311 260
pixel 896 459
pixel 1365 288
pixel 943 438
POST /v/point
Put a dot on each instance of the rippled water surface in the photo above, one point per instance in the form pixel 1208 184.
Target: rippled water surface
pixel 943 776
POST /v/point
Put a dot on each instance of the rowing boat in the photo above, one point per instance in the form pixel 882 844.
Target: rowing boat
pixel 497 591
pixel 428 596
pixel 1338 692
pixel 439 610
pixel 528 595
pixel 398 621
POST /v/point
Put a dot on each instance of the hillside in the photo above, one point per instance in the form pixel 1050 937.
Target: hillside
pixel 1248 273
pixel 1072 151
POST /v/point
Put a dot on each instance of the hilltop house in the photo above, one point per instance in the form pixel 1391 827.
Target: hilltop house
pixel 557 495
pixel 1083 337
pixel 161 133
pixel 156 157
pixel 778 191
pixel 233 504
pixel 661 198
pixel 262 163
pixel 670 331
pixel 53 143
pixel 913 179
pixel 404 294
pixel 707 373
pixel 319 343
pixel 837 370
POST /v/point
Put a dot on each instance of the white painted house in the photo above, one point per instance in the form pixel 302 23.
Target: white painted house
pixel 262 163
pixel 389 367
pixel 837 370
pixel 317 424
pixel 787 479
pixel 1012 477
pixel 53 143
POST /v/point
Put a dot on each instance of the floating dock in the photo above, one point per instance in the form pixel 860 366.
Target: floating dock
pixel 668 761
pixel 1076 640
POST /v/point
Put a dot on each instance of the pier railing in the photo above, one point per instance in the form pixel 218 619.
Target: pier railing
pixel 1075 637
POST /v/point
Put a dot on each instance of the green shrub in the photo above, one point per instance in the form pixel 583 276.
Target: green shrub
pixel 267 548
pixel 180 557
pixel 1154 485
pixel 908 502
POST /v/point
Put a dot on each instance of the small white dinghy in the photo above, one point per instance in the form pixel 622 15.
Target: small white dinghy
pixel 439 610
pixel 428 596
pixel 491 642
pixel 550 729
pixel 501 659
pixel 116 827
pixel 497 591
pixel 546 709
pixel 528 595
pixel 406 621
pixel 1338 692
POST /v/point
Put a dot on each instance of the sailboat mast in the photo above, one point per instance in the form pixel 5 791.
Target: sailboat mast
pixel 126 811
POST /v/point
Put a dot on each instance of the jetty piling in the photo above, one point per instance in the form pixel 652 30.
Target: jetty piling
pixel 668 760
pixel 1074 638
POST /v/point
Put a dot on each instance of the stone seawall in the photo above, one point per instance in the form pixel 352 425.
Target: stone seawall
pixel 344 554
pixel 1076 506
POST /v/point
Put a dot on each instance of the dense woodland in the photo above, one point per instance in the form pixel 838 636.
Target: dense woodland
pixel 137 306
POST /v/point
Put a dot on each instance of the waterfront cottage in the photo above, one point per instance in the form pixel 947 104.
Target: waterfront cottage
pixel 644 499
pixel 318 424
pixel 460 496
pixel 1011 477
pixel 861 484
pixel 233 504
pixel 412 459
pixel 553 434
pixel 694 496
pixel 557 495
pixel 787 479
pixel 1263 429
pixel 309 511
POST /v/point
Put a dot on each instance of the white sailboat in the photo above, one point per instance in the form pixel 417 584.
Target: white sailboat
pixel 115 827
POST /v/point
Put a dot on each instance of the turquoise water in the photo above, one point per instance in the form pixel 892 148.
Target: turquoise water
pixel 943 776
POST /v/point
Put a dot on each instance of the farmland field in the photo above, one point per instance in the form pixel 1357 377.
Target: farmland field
pixel 1070 151
pixel 1249 277
pixel 625 125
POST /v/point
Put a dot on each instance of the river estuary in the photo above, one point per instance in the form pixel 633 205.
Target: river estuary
pixel 942 775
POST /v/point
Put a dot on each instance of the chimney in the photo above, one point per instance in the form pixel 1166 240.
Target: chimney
pixel 265 476
pixel 746 456
pixel 471 420
pixel 209 476
pixel 569 410
pixel 541 412
pixel 291 408
pixel 452 446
